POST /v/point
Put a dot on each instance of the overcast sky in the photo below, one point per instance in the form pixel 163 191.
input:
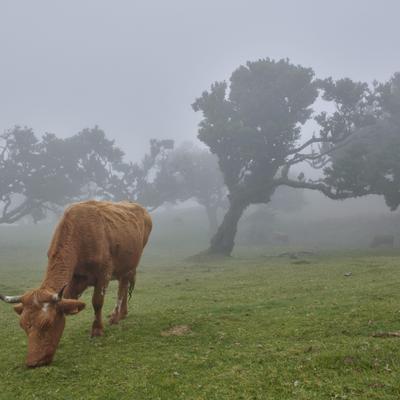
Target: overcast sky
pixel 134 67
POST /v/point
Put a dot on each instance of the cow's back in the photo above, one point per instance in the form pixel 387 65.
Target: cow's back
pixel 127 229
pixel 100 233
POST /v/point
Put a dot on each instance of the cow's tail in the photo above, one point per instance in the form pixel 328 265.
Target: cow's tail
pixel 130 291
pixel 131 288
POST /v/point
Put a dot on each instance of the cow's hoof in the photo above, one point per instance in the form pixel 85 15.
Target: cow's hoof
pixel 114 319
pixel 96 332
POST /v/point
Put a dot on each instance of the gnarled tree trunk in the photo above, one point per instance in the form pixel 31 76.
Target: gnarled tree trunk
pixel 212 219
pixel 223 241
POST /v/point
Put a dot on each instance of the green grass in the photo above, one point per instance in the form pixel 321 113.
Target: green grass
pixel 263 327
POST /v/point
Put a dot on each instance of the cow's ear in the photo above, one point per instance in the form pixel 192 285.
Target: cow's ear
pixel 71 306
pixel 18 308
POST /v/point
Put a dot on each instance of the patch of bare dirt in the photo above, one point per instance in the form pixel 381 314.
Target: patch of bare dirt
pixel 386 334
pixel 177 330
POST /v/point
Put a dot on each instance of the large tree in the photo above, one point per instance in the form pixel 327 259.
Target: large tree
pixel 255 129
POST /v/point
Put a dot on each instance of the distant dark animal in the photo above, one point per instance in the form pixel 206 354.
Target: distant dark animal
pixel 94 242
pixel 280 238
pixel 382 241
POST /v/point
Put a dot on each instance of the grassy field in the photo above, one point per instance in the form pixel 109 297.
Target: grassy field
pixel 261 327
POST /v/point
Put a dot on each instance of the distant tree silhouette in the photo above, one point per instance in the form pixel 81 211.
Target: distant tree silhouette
pixel 135 183
pixel 40 175
pixel 187 173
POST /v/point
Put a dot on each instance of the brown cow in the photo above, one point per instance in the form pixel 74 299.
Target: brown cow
pixel 93 243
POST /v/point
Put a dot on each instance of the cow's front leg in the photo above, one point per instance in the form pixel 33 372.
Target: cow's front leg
pixel 76 287
pixel 97 301
pixel 121 308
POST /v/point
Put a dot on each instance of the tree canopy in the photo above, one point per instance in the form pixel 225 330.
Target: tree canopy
pixel 187 173
pixel 38 175
pixel 370 163
pixel 44 174
pixel 254 127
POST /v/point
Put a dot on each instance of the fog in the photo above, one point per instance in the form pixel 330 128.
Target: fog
pixel 135 67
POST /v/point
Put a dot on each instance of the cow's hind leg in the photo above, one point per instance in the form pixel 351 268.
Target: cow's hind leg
pixel 97 301
pixel 121 308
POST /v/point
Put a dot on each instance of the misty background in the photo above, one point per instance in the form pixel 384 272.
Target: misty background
pixel 134 68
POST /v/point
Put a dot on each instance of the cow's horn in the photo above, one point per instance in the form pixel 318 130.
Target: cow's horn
pixel 11 299
pixel 59 295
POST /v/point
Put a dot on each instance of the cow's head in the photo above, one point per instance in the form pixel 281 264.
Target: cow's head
pixel 42 315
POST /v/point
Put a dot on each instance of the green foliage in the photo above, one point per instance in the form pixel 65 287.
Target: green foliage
pixel 390 98
pixel 370 163
pixel 186 173
pixel 255 130
pixel 354 108
pixel 136 180
pixel 40 174
pixel 253 127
